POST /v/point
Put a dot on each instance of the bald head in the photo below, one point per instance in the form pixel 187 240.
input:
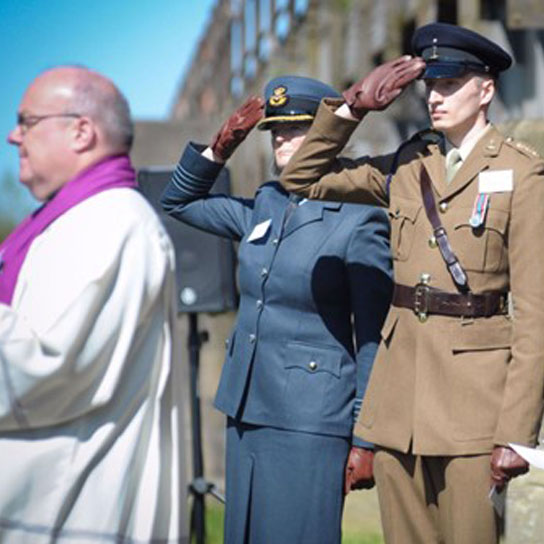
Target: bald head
pixel 69 119
pixel 93 95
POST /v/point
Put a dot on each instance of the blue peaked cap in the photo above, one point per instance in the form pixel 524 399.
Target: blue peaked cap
pixel 293 98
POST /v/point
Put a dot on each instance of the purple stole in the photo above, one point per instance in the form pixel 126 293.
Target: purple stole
pixel 110 173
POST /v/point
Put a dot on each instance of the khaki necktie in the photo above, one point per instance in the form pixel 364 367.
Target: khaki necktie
pixel 453 163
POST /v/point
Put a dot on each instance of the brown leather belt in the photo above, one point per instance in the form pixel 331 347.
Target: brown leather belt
pixel 423 299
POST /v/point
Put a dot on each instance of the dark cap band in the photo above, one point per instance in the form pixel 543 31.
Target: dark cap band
pixel 452 51
pixel 444 70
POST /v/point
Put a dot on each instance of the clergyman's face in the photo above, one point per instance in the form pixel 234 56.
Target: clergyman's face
pixel 43 146
pixel 456 103
pixel 286 139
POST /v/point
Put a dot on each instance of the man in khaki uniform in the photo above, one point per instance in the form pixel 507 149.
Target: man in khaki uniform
pixel 456 379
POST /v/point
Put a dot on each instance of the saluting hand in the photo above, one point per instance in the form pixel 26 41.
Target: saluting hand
pixel 506 464
pixel 379 88
pixel 235 129
pixel 359 472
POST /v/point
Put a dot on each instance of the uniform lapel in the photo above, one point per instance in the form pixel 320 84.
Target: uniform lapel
pixel 478 160
pixel 308 212
pixel 433 161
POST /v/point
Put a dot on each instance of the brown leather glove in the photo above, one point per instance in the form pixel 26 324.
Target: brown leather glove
pixel 379 88
pixel 235 129
pixel 506 464
pixel 359 473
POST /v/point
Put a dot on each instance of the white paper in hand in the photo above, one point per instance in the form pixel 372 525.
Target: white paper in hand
pixel 533 456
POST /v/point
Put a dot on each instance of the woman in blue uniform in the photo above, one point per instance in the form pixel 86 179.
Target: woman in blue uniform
pixel 315 285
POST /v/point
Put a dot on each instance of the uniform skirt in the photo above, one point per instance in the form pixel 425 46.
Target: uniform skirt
pixel 283 486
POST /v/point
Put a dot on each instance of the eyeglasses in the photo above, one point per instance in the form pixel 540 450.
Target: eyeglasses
pixel 26 122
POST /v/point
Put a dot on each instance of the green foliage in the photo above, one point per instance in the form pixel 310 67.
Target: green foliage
pixel 5 229
pixel 214 523
pixel 343 5
pixel 15 202
pixel 214 528
pixel 361 538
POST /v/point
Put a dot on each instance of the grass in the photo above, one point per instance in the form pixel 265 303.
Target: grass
pixel 214 523
pixel 352 534
pixel 361 538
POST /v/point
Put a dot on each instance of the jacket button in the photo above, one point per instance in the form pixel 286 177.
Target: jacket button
pixel 425 278
pixel 443 207
pixel 276 241
pixel 259 304
pixel 252 338
pixel 312 365
pixel 264 272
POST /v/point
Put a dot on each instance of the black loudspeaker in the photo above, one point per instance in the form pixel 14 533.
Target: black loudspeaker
pixel 205 263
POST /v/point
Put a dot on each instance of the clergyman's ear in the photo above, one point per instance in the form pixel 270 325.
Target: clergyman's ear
pixel 83 135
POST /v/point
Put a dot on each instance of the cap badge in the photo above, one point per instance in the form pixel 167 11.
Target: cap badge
pixel 434 54
pixel 278 98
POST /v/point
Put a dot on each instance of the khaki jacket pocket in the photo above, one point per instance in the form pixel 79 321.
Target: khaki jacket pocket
pixel 403 216
pixel 482 334
pixel 482 248
pixel 477 375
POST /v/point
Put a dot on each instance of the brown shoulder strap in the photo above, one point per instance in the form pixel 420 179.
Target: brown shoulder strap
pixel 454 266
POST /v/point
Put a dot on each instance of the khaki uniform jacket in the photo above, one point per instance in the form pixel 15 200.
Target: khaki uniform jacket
pixel 448 386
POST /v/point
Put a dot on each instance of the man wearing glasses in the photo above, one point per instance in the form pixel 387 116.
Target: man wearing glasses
pixel 89 407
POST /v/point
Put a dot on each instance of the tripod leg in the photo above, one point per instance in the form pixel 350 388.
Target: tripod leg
pixel 198 528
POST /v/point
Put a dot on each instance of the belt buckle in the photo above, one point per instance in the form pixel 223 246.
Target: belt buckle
pixel 421 301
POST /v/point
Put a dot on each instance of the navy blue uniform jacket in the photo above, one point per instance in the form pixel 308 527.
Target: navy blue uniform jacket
pixel 314 291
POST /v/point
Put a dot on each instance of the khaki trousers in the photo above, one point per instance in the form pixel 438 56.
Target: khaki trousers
pixel 435 500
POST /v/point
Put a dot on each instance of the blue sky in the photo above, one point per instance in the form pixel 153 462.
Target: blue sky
pixel 144 46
